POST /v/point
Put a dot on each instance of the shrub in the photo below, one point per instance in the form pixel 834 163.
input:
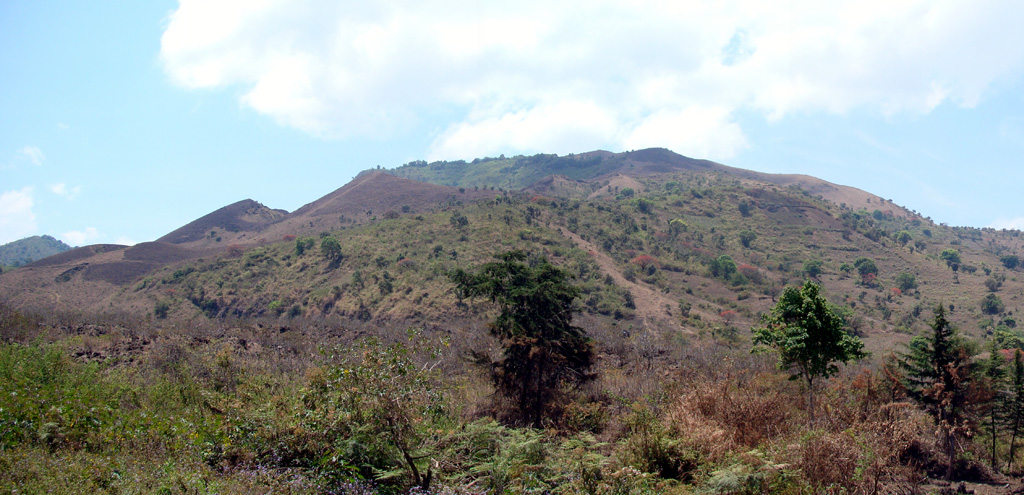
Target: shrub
pixel 865 266
pixel 723 266
pixel 746 237
pixel 906 281
pixel 303 244
pixel 812 268
pixel 160 309
pixel 751 272
pixel 991 304
pixel 376 408
pixel 331 248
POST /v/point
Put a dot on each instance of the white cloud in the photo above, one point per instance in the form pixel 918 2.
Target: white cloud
pixel 17 220
pixel 80 237
pixel 61 189
pixel 62 126
pixel 34 154
pixel 578 75
pixel 125 241
pixel 1008 223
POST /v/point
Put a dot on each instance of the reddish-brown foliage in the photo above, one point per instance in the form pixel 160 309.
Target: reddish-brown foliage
pixel 728 315
pixel 868 279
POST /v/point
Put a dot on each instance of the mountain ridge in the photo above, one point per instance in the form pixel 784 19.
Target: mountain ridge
pixel 646 233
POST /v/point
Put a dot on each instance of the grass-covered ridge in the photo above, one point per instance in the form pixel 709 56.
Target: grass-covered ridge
pixel 509 173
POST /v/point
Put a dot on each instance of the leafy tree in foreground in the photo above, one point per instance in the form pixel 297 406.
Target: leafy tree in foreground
pixel 937 374
pixel 377 407
pixel 543 351
pixel 808 335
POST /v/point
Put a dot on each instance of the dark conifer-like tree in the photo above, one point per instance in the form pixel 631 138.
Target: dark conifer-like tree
pixel 543 351
pixel 937 374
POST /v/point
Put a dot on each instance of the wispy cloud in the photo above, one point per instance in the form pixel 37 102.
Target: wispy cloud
pixel 125 241
pixel 62 126
pixel 34 154
pixel 61 189
pixel 17 220
pixel 1008 223
pixel 583 75
pixel 80 237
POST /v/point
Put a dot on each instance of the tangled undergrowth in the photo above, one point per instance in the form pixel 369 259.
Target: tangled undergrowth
pixel 254 409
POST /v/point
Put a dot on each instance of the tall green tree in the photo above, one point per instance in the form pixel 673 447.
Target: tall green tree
pixel 937 374
pixel 994 399
pixel 543 351
pixel 809 336
pixel 1015 410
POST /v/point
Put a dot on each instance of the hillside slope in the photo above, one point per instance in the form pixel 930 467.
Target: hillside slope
pixel 680 247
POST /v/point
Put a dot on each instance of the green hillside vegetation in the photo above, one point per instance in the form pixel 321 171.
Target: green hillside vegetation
pixel 508 173
pixel 389 269
pixel 29 249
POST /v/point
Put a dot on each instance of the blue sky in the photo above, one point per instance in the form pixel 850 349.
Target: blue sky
pixel 121 121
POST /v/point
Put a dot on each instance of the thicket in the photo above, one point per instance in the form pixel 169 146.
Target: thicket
pixel 122 406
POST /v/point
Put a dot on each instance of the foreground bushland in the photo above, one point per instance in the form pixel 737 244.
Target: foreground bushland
pixel 123 406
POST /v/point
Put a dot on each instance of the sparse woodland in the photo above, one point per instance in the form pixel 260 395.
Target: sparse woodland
pixel 606 350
